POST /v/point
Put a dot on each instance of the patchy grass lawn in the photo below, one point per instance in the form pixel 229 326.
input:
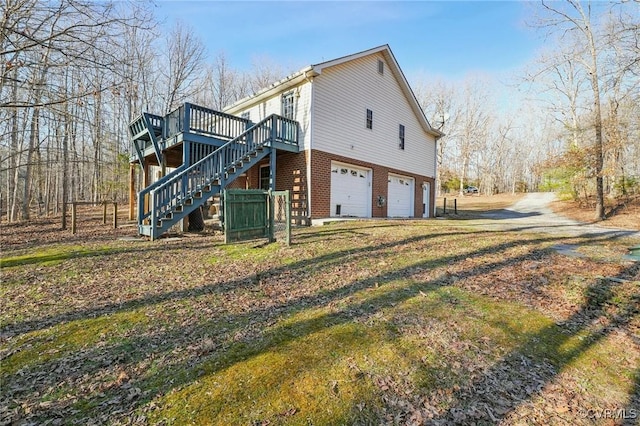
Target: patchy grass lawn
pixel 372 322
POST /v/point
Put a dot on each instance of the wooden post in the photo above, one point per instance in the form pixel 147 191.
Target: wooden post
pixel 73 218
pixel 104 212
pixel 271 215
pixel 132 191
pixel 444 211
pixel 288 216
pixel 115 214
pixel 455 205
pixel 147 182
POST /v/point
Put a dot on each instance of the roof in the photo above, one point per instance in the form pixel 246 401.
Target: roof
pixel 315 70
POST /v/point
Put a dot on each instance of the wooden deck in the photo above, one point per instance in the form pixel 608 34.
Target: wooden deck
pixel 208 148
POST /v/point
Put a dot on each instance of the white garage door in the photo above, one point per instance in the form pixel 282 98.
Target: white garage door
pixel 350 190
pixel 400 196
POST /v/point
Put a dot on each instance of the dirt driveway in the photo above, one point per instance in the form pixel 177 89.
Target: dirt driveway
pixel 533 213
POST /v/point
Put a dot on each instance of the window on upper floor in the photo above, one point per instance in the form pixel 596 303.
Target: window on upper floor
pixel 288 108
pixel 246 115
pixel 369 121
pixel 401 136
pixel 380 66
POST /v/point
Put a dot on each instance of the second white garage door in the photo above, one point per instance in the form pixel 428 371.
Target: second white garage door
pixel 400 196
pixel 350 190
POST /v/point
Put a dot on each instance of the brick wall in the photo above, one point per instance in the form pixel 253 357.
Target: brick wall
pixel 321 184
pixel 291 175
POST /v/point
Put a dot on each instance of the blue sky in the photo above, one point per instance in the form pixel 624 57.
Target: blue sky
pixel 441 38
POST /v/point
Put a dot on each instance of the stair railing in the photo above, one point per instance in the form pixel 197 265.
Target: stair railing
pixel 179 187
pixel 142 195
pixel 148 123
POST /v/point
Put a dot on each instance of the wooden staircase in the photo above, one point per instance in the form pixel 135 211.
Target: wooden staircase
pixel 167 201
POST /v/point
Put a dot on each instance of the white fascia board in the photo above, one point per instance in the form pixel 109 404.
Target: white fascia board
pixel 314 70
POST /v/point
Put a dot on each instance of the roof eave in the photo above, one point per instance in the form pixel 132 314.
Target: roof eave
pixel 314 70
pixel 277 87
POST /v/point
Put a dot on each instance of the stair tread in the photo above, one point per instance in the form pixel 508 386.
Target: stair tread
pixel 182 204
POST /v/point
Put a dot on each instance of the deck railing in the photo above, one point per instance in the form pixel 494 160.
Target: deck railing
pixel 203 121
pixel 178 187
pixel 143 123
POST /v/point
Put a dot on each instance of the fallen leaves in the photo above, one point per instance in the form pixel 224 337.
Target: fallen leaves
pixel 171 311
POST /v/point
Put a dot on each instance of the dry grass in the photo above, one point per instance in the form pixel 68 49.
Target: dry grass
pixel 372 322
pixel 479 203
pixel 624 214
pixel 620 213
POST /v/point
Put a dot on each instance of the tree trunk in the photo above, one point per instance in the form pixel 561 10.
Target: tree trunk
pixel 599 150
pixel 33 138
pixel 65 170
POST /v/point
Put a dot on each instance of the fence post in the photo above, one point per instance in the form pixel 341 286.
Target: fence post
pixel 455 205
pixel 115 214
pixel 271 212
pixel 104 212
pixel 73 218
pixel 287 201
pixel 444 210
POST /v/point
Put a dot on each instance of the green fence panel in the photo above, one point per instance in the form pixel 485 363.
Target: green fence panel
pixel 245 214
pixel 251 213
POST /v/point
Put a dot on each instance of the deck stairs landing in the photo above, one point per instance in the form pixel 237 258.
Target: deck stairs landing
pixel 147 129
pixel 165 202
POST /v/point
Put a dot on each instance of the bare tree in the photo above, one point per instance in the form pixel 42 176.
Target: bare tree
pixel 57 61
pixel 436 99
pixel 184 69
pixel 580 25
pixel 265 72
pixel 221 83
pixel 473 125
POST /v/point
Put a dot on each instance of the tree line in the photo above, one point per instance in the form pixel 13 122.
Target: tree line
pixel 570 121
pixel 74 73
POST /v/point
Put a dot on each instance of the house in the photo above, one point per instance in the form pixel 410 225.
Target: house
pixel 349 139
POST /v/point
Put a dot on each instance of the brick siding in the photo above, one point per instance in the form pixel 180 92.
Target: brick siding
pixel 321 184
pixel 291 175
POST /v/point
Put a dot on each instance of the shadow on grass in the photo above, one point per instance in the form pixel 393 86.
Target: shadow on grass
pixel 54 256
pixel 545 353
pixel 162 343
pixel 631 412
pixel 321 261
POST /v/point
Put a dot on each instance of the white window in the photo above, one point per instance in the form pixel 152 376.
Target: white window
pixel 288 109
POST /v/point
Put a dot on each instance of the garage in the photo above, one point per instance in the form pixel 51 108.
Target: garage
pixel 350 190
pixel 400 196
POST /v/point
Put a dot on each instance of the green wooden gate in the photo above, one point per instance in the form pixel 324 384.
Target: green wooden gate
pixel 253 213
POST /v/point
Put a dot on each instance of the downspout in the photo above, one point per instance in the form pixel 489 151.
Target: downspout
pixel 435 174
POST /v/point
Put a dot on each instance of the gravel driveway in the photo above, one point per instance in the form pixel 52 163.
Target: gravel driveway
pixel 532 213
